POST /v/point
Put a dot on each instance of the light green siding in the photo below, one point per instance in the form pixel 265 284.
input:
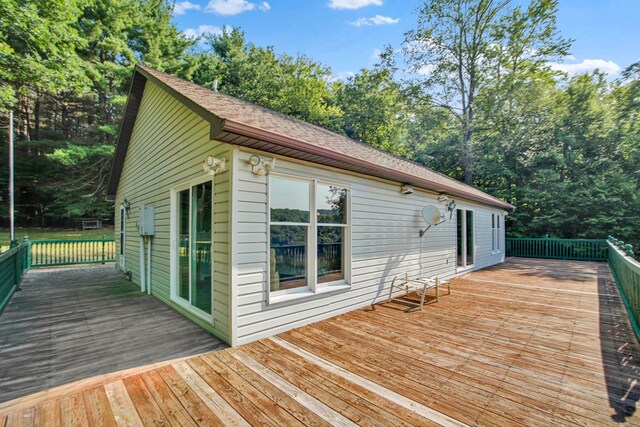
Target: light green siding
pixel 168 144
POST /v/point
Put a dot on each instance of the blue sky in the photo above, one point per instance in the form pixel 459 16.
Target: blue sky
pixel 345 34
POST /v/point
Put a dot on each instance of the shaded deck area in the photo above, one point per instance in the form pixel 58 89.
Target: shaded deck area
pixel 72 323
pixel 530 342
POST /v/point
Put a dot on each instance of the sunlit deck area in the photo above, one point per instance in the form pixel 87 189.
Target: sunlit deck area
pixel 529 342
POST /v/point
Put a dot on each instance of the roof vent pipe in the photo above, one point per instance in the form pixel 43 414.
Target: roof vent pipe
pixel 215 85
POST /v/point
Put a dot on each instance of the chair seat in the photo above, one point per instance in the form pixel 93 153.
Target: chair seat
pixel 419 285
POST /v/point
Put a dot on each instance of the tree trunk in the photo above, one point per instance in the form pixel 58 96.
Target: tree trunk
pixel 467 144
pixel 36 117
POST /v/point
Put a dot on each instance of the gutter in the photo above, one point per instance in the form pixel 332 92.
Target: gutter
pixel 402 177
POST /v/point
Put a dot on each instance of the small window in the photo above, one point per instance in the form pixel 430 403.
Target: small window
pixel 306 251
pixel 495 233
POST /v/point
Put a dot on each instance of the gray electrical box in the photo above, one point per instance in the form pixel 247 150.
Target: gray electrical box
pixel 147 220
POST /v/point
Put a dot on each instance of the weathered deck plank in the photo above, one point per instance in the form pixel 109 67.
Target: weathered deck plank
pixel 73 323
pixel 530 342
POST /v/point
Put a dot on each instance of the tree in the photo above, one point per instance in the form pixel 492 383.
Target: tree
pixel 374 110
pixel 296 86
pixel 38 44
pixel 460 45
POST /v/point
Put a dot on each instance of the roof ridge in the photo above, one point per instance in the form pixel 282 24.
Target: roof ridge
pixel 343 139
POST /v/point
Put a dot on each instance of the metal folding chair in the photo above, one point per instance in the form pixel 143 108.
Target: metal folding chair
pixel 420 286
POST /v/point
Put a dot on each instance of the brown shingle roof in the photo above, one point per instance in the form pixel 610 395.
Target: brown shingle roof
pixel 236 117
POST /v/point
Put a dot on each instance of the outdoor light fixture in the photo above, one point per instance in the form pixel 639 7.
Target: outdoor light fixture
pixel 261 167
pixel 213 165
pixel 126 204
pixel 406 189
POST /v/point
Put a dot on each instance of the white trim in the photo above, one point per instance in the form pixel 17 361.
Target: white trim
pixel 123 239
pixel 464 241
pixel 233 245
pixel 174 246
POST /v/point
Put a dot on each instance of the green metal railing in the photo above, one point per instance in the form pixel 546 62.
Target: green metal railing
pixel 48 253
pixel 546 247
pixel 626 272
pixel 13 265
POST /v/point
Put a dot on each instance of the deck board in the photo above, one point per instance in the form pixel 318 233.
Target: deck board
pixel 529 342
pixel 73 323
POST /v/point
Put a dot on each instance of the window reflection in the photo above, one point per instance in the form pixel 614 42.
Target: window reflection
pixel 331 204
pixel 330 254
pixel 288 257
pixel 289 200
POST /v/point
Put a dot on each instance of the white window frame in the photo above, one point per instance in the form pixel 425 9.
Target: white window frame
pixel 496 247
pixel 174 245
pixel 313 287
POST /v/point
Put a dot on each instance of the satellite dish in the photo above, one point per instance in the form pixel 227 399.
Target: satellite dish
pixel 431 215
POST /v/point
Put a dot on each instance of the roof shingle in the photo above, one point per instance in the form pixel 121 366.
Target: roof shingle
pixel 236 114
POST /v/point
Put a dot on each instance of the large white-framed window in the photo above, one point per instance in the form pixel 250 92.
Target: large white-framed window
pixel 465 238
pixel 309 236
pixel 495 234
pixel 192 246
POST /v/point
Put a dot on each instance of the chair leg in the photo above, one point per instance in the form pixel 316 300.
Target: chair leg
pixel 424 293
pixel 392 285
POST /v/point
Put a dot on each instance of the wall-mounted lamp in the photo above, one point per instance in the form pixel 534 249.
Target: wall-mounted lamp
pixel 213 165
pixel 261 167
pixel 126 204
pixel 406 189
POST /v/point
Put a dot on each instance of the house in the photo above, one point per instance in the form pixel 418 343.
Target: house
pixel 251 223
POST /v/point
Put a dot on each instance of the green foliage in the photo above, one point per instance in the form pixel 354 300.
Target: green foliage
pixel 65 68
pixel 296 86
pixel 479 103
pixel 462 48
pixel 374 110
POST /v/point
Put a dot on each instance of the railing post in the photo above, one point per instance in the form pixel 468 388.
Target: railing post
pixel 103 243
pixel 28 260
pixel 546 246
pixel 16 277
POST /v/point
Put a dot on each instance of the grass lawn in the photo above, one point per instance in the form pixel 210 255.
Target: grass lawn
pixel 52 234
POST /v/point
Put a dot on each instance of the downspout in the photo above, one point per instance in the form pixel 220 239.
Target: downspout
pixel 149 266
pixel 142 266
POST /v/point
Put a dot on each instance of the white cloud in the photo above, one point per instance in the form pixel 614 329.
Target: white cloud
pixel 202 30
pixel 425 70
pixel 376 54
pixel 235 7
pixel 352 4
pixel 375 20
pixel 182 7
pixel 340 76
pixel 587 66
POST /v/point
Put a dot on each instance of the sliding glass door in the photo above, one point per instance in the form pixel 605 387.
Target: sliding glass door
pixel 195 227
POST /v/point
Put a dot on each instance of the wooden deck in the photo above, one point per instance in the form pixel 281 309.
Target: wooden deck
pixel 532 342
pixel 73 323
